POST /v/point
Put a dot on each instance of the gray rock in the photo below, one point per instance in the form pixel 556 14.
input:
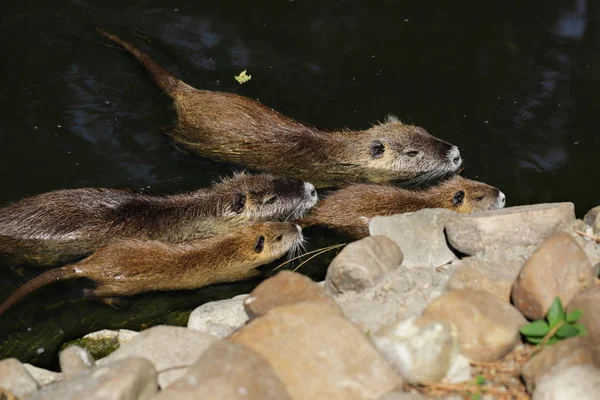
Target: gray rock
pixel 493 272
pixel 559 267
pixel 402 396
pixel 43 376
pixel 227 371
pixel 422 353
pixel 219 318
pixel 581 382
pixel 73 360
pixel 15 378
pixel 170 348
pixel 588 302
pixel 362 264
pixel 420 236
pixel 130 379
pixel 592 219
pixel 122 336
pixel 520 226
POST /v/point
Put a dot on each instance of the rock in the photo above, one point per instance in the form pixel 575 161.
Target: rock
pixel 219 318
pixel 286 288
pixel 101 343
pixel 492 272
pixel 42 376
pixel 15 378
pixel 488 328
pixel 5 394
pixel 588 302
pixel 423 353
pixel 570 228
pixel 559 267
pixel 73 360
pixel 561 355
pixel 362 264
pixel 420 236
pixel 130 379
pixel 592 250
pixel 581 382
pixel 318 354
pixel 402 396
pixel 592 218
pixel 519 226
pixel 121 336
pixel 166 347
pixel 227 371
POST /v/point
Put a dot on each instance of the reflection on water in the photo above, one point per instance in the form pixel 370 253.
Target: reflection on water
pixel 513 84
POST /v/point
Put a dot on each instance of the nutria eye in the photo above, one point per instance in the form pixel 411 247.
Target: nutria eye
pixel 457 200
pixel 479 198
pixel 377 149
pixel 412 153
pixel 260 244
pixel 239 202
pixel 278 238
pixel 270 200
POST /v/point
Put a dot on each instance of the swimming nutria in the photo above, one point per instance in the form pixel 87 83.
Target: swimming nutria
pixel 59 226
pixel 127 267
pixel 234 128
pixel 349 210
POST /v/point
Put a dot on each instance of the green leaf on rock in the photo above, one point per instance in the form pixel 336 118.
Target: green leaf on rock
pixel 581 329
pixel 534 340
pixel 480 380
pixel 567 330
pixel 573 316
pixel 556 313
pixel 536 329
pixel 552 341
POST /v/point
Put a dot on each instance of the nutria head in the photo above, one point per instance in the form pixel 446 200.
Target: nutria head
pixel 264 197
pixel 406 152
pixel 466 196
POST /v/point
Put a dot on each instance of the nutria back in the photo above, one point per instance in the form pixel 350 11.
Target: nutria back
pixel 62 225
pixel 234 128
pixel 350 209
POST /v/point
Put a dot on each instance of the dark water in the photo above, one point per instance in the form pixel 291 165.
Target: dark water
pixel 513 84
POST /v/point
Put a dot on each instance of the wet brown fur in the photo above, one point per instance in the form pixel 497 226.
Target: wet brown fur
pixel 128 267
pixel 349 210
pixel 59 226
pixel 234 128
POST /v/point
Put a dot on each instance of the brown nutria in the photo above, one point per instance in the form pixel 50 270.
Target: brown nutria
pixel 59 226
pixel 129 266
pixel 234 128
pixel 349 210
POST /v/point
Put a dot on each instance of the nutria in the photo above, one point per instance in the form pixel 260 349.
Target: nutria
pixel 130 266
pixel 59 226
pixel 349 210
pixel 234 128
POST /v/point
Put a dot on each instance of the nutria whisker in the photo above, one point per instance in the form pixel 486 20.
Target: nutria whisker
pixel 327 248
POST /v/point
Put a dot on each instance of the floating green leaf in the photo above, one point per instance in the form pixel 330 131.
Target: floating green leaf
pixel 556 313
pixel 535 329
pixel 573 316
pixel 243 77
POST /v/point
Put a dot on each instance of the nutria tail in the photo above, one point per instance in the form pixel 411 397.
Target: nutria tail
pixel 56 274
pixel 161 76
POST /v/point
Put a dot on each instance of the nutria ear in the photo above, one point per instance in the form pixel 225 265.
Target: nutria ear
pixel 377 149
pixel 457 200
pixel 260 244
pixel 239 202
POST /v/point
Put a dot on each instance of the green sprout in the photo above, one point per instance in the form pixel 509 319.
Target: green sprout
pixel 243 77
pixel 557 326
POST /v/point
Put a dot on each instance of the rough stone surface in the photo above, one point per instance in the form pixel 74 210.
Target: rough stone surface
pixel 285 288
pixel 559 356
pixel 571 227
pixel 592 219
pixel 493 272
pixel 423 354
pixel 122 335
pixel 15 378
pixel 420 236
pixel 165 347
pixel 73 360
pixel 42 376
pixel 519 226
pixel 589 303
pixel 402 396
pixel 130 379
pixel 559 267
pixel 581 382
pixel 362 264
pixel 227 371
pixel 219 318
pixel 592 250
pixel 488 328
pixel 318 354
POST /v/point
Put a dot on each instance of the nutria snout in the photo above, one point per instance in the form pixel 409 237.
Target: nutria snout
pixel 234 128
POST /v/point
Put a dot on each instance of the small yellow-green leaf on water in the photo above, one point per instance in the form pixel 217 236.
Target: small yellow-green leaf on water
pixel 243 77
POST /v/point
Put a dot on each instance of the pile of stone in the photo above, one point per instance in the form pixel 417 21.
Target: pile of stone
pixel 419 303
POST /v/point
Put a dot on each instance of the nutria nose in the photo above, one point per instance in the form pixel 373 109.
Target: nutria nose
pixel 501 199
pixel 454 155
pixel 310 189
